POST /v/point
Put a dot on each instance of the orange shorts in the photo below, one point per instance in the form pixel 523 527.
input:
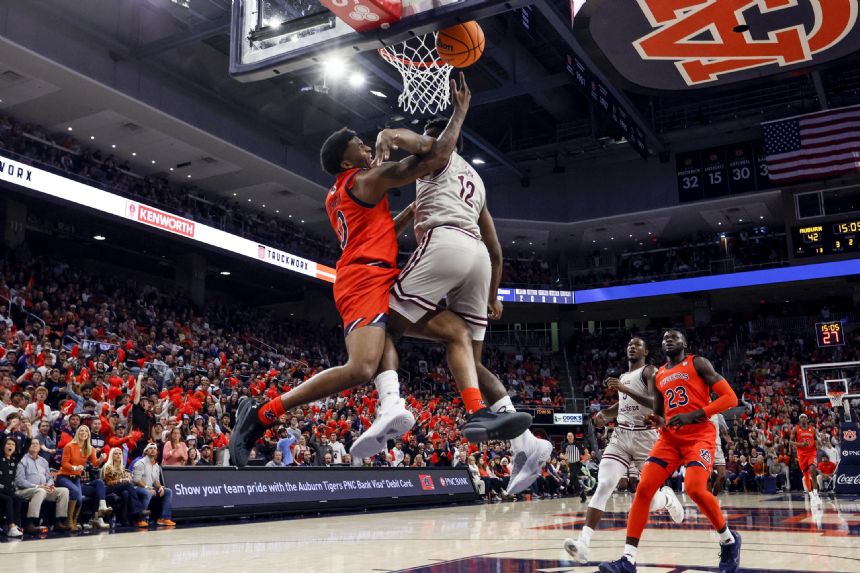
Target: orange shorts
pixel 361 295
pixel 691 445
pixel 806 459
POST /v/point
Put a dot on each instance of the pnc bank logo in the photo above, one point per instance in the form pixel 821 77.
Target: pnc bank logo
pixel 710 39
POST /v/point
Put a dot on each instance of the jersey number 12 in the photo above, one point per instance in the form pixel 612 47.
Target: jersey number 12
pixel 467 189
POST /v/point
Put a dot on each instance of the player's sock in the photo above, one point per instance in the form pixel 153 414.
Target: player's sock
pixel 630 553
pixel 506 405
pixel 275 407
pixel 726 537
pixel 586 534
pixel 807 481
pixel 388 387
pixel 472 400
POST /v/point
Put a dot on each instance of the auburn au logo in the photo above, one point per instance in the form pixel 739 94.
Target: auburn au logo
pixel 708 39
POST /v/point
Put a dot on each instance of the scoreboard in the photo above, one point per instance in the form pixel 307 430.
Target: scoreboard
pixel 821 239
pixel 721 171
pixel 829 334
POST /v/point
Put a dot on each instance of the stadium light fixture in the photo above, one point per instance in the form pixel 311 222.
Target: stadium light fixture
pixel 334 67
pixel 171 168
pixel 99 237
pixel 356 79
pixel 153 161
pixel 478 161
pixel 134 153
pixel 188 176
pixel 225 273
pixel 70 128
pixel 378 94
pixel 113 146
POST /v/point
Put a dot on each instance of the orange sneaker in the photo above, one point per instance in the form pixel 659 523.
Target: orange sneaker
pixel 165 522
pixel 142 523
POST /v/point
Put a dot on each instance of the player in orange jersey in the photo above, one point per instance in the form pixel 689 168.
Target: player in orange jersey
pixel 357 205
pixel 682 396
pixel 804 439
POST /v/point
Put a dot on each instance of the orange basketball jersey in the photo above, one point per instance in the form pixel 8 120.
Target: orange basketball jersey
pixel 806 436
pixel 682 388
pixel 365 231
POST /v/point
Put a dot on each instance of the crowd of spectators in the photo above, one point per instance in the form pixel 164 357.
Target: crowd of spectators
pixel 767 378
pixel 156 382
pixel 704 254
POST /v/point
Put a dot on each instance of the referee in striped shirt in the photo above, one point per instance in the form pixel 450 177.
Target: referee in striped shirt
pixel 571 449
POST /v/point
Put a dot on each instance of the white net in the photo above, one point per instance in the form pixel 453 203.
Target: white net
pixel 426 88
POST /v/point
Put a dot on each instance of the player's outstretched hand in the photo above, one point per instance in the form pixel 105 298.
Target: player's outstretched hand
pixel 598 420
pixel 495 309
pixel 654 420
pixel 461 96
pixel 386 142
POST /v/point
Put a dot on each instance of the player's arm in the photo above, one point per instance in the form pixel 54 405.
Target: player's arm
pixel 601 417
pixel 657 418
pixel 792 441
pixel 494 247
pixel 371 185
pixel 644 399
pixel 404 218
pixel 390 140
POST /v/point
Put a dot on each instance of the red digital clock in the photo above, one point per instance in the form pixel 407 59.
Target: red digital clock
pixel 829 334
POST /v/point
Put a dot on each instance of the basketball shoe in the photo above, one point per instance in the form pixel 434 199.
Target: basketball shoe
pixel 390 423
pixel 577 549
pixel 485 425
pixel 622 565
pixel 730 555
pixel 246 432
pixel 673 505
pixel 528 456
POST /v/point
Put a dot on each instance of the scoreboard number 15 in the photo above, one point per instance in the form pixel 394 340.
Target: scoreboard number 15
pixel 829 334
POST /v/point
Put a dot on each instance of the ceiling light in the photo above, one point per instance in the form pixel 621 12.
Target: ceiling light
pixel 303 220
pixel 234 194
pixel 70 128
pixel 99 237
pixel 249 200
pixel 134 153
pixel 478 161
pixel 171 168
pixel 225 273
pixel 333 67
pixel 513 242
pixel 277 210
pixel 740 220
pixel 530 243
pixel 761 216
pixel 113 146
pixel 378 94
pixel 649 233
pixel 291 216
pixel 719 222
pixel 189 176
pixel 593 241
pixel 264 204
pixel 631 236
pixel 153 161
pixel 611 238
pixel 92 137
pixel 356 79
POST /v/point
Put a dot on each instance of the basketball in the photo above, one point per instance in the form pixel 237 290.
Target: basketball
pixel 460 45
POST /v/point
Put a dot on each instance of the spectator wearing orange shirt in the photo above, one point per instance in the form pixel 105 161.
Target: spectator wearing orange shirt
pixel 760 470
pixel 76 454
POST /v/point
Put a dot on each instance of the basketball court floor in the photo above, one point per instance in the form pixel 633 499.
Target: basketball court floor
pixel 780 534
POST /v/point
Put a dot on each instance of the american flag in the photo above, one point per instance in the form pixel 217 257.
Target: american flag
pixel 813 146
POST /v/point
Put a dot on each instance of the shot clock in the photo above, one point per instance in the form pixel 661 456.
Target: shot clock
pixel 829 334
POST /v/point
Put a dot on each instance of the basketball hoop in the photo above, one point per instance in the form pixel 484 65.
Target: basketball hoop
pixel 835 397
pixel 426 88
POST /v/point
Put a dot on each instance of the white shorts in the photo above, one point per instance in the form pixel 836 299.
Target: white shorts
pixel 451 264
pixel 630 447
pixel 719 456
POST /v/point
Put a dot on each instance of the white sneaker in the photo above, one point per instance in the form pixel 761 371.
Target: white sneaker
pixel 393 422
pixel 576 549
pixel 674 505
pixel 13 531
pixel 525 468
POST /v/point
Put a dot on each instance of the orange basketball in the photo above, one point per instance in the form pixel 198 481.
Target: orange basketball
pixel 460 45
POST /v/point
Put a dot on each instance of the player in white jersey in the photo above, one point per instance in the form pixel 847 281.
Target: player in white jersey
pixel 630 444
pixel 722 428
pixel 458 260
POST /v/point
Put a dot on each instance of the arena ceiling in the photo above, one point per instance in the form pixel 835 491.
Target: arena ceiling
pixel 549 124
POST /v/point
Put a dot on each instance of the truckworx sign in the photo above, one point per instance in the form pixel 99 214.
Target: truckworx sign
pixel 683 44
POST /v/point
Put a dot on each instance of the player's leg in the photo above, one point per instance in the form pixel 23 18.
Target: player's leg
pixel 392 418
pixel 613 466
pixel 365 347
pixel 664 459
pixel 719 479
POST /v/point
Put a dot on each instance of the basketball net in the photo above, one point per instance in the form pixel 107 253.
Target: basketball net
pixel 835 397
pixel 426 87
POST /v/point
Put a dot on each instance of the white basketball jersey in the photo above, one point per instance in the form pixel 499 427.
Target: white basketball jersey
pixel 454 197
pixel 719 423
pixel 630 412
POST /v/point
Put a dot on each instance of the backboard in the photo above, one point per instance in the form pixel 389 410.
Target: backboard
pixel 271 37
pixel 818 379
